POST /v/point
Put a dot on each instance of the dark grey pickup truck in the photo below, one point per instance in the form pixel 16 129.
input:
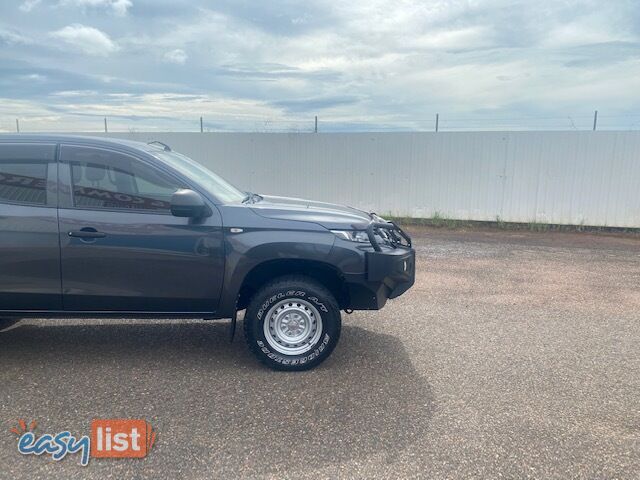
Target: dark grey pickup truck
pixel 93 227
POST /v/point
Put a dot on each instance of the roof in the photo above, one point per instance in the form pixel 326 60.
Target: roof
pixel 77 139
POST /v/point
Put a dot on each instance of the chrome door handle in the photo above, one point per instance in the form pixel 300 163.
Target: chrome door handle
pixel 87 233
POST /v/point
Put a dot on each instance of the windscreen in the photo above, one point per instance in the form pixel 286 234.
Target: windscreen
pixel 218 186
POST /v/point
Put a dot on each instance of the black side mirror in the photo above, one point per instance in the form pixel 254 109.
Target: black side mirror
pixel 187 203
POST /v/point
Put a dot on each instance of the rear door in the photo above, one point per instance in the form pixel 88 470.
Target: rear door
pixel 29 248
pixel 122 250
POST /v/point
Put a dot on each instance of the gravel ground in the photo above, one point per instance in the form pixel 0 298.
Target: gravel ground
pixel 515 355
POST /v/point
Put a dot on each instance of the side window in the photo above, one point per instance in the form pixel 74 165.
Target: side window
pixel 23 173
pixel 23 182
pixel 110 180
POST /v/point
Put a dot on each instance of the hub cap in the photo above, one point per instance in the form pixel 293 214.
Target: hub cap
pixel 292 326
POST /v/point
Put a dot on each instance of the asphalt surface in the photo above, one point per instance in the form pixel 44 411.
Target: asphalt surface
pixel 516 355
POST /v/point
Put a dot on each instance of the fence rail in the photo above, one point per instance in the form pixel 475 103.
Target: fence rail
pixel 252 124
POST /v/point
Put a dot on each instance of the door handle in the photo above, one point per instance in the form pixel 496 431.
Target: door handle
pixel 87 232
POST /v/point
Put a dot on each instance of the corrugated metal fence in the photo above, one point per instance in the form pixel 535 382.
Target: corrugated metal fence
pixel 589 178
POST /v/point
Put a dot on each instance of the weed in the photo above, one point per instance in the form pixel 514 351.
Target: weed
pixel 440 221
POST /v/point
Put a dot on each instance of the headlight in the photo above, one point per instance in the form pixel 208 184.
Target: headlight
pixel 352 235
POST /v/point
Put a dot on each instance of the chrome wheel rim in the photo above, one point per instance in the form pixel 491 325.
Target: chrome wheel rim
pixel 292 326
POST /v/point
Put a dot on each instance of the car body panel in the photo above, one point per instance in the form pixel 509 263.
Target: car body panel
pixel 156 264
pixel 30 254
pixel 146 261
pixel 329 215
pixel 149 262
pixel 262 240
pixel 30 259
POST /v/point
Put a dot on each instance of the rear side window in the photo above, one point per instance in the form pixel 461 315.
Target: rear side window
pixel 23 173
pixel 23 182
pixel 103 179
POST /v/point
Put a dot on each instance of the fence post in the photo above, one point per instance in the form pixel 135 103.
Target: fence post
pixel 437 120
pixel 17 126
pixel 201 126
pixel 595 120
pixel 315 129
pixel 106 130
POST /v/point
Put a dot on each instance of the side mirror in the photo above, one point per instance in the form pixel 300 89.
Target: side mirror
pixel 187 203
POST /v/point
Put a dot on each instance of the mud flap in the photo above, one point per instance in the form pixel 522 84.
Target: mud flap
pixel 232 326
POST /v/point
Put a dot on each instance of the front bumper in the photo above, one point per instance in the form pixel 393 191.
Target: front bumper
pixel 389 273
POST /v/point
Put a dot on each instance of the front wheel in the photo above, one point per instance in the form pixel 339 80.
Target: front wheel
pixel 292 323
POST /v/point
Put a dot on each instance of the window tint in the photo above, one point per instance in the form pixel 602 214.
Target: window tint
pixel 23 182
pixel 104 179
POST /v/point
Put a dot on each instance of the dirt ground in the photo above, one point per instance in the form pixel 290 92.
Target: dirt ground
pixel 515 355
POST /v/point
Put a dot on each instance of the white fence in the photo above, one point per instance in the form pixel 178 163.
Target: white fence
pixel 588 178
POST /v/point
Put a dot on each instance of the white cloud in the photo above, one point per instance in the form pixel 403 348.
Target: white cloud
pixel 392 61
pixel 87 39
pixel 584 31
pixel 12 37
pixel 35 77
pixel 451 39
pixel 29 5
pixel 67 111
pixel 76 93
pixel 178 56
pixel 118 7
pixel 173 105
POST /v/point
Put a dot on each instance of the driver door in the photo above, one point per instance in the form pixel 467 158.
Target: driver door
pixel 121 249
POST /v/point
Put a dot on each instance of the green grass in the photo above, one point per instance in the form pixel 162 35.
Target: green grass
pixel 539 227
pixel 438 220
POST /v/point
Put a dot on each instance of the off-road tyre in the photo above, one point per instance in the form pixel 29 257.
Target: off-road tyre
pixel 290 305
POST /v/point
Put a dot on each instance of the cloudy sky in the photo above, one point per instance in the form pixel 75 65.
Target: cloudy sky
pixel 357 64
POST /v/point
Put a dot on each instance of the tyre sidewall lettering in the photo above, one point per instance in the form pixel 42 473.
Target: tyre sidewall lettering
pixel 276 357
pixel 285 291
pixel 279 296
pixel 290 294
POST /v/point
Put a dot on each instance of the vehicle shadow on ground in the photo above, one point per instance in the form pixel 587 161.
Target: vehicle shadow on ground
pixel 214 406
